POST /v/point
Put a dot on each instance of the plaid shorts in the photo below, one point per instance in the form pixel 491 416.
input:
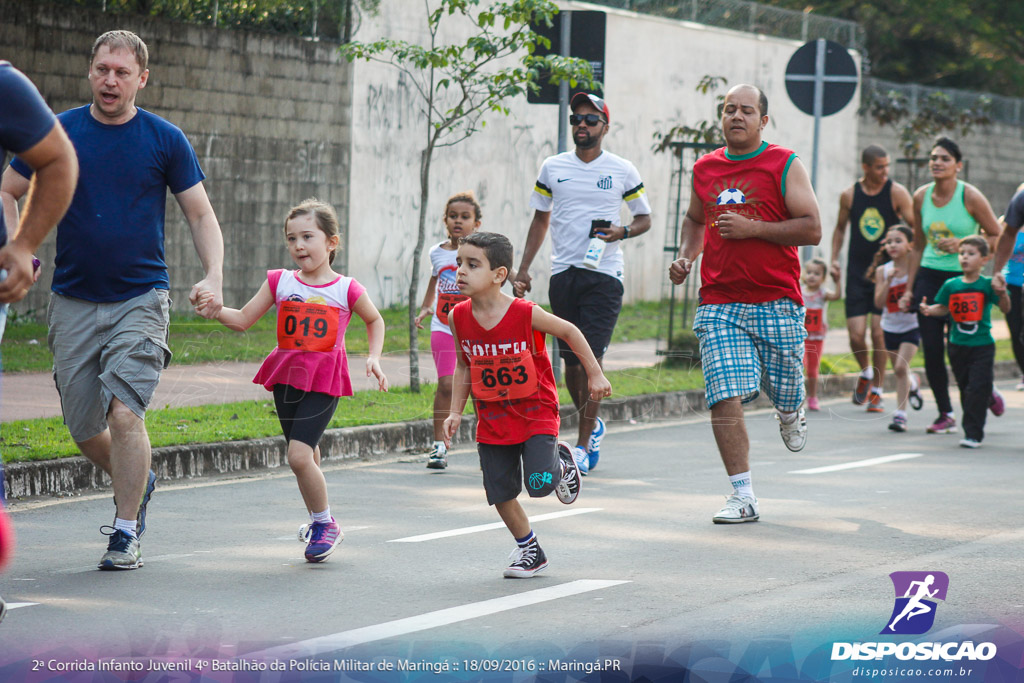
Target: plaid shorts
pixel 745 348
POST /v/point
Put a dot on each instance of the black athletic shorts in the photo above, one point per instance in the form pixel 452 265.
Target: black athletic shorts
pixel 304 415
pixel 589 300
pixel 503 468
pixel 860 293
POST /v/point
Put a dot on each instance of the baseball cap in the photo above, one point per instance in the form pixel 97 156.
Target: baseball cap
pixel 580 97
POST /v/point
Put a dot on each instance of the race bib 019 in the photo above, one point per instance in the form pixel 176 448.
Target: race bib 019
pixel 304 326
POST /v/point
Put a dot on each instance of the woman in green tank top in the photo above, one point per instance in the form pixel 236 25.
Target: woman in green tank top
pixel 945 211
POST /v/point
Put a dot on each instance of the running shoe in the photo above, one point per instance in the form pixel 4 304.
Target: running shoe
pixel 970 443
pixel 438 459
pixel 794 434
pixel 150 487
pixel 123 550
pixel 582 459
pixel 812 403
pixel 323 539
pixel 898 424
pixel 526 561
pixel 572 481
pixel 914 397
pixel 996 404
pixel 860 394
pixel 737 509
pixel 875 404
pixel 594 445
pixel 1020 385
pixel 944 424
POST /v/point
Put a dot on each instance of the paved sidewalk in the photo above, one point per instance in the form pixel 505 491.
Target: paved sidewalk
pixel 27 396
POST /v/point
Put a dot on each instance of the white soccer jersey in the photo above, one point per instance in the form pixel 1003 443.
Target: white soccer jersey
pixel 577 193
pixel 443 267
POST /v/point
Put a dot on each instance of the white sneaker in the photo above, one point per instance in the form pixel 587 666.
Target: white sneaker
pixel 969 443
pixel 582 459
pixel 737 509
pixel 569 486
pixel 438 459
pixel 794 434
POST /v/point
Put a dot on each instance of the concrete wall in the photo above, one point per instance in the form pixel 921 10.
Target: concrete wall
pixel 272 119
pixel 993 157
pixel 652 68
pixel 267 115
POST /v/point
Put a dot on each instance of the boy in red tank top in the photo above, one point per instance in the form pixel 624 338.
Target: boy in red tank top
pixel 503 361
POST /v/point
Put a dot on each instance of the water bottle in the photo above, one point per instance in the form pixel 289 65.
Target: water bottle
pixel 592 259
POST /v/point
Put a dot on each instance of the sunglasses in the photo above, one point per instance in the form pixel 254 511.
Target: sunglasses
pixel 590 119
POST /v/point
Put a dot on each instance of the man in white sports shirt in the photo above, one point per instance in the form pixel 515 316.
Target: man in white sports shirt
pixel 579 194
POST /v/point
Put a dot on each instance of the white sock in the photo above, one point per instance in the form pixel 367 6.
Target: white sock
pixel 868 373
pixel 876 390
pixel 741 484
pixel 125 525
pixel 786 418
pixel 900 413
pixel 914 384
pixel 441 448
pixel 323 517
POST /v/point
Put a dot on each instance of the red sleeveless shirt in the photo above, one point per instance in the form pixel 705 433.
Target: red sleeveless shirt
pixel 513 386
pixel 753 185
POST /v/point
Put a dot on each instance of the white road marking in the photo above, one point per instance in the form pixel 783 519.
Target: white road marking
pixel 16 605
pixel 859 463
pixel 423 622
pixel 488 527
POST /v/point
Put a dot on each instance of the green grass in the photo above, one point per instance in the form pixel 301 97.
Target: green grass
pixel 195 340
pixel 41 439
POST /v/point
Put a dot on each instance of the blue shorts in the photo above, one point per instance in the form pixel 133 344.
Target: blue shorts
pixel 745 348
pixel 893 340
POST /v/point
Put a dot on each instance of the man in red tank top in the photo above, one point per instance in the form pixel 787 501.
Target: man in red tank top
pixel 751 206
pixel 502 360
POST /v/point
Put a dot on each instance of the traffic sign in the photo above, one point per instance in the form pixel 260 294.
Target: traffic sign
pixel 821 78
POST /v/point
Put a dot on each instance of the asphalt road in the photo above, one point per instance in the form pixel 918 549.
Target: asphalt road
pixel 638 573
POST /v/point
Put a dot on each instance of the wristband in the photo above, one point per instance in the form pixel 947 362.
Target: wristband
pixel 625 232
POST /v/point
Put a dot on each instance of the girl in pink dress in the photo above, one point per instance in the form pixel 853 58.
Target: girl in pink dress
pixel 308 370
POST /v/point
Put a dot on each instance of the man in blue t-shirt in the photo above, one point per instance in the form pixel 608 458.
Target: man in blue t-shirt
pixel 109 311
pixel 28 128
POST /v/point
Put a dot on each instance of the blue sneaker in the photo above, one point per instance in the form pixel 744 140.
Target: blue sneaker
pixel 150 486
pixel 582 459
pixel 594 445
pixel 323 539
pixel 122 551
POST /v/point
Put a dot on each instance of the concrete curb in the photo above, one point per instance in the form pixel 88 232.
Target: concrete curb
pixel 73 475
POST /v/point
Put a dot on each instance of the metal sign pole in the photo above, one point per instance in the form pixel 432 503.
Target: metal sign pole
pixel 563 145
pixel 819 102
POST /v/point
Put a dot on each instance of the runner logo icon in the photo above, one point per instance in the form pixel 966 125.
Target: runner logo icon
pixel 917 596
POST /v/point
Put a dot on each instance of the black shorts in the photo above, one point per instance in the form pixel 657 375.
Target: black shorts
pixel 894 339
pixel 860 293
pixel 304 415
pixel 503 467
pixel 589 300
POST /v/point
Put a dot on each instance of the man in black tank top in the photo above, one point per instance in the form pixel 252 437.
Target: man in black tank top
pixel 871 205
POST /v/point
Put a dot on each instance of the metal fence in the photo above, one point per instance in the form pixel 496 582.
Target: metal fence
pixel 742 15
pixel 1001 109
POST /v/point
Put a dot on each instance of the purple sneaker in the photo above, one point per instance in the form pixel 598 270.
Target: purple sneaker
pixel 996 404
pixel 944 424
pixel 323 539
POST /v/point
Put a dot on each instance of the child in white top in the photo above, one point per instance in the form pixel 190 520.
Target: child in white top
pixel 308 370
pixel 902 336
pixel 816 299
pixel 461 217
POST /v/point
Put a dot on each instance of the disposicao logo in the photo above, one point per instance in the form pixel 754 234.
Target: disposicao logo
pixel 917 596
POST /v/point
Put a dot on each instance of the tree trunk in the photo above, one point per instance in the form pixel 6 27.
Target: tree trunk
pixel 421 235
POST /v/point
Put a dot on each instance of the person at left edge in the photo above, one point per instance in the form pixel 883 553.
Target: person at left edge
pixel 28 129
pixel 109 311
pixel 576 194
